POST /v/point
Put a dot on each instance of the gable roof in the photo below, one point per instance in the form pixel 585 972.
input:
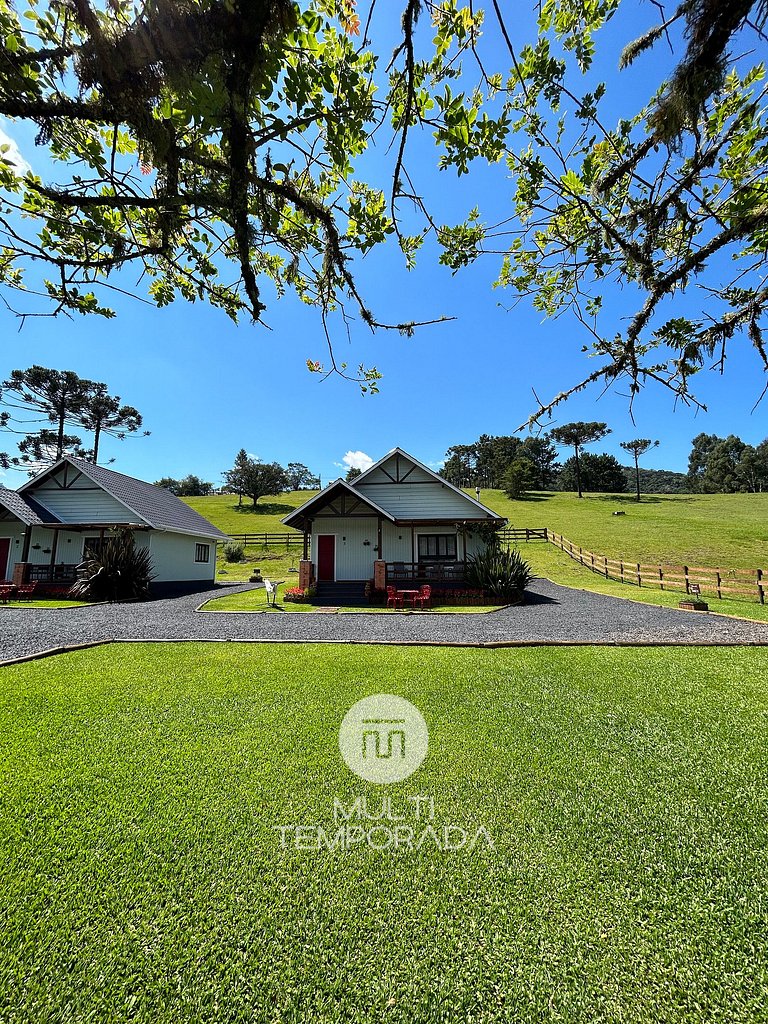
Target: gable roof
pixel 156 507
pixel 30 512
pixel 297 517
pixel 489 513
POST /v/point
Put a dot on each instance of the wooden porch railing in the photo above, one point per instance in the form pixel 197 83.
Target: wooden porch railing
pixel 425 572
pixel 51 573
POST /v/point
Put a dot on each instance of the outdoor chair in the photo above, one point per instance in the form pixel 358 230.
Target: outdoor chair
pixel 424 596
pixel 26 591
pixel 7 590
pixel 394 599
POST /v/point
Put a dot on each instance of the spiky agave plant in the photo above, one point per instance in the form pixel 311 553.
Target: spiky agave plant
pixel 502 573
pixel 122 572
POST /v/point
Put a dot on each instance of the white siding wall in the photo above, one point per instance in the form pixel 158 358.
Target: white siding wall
pixel 396 542
pixel 82 502
pixel 173 557
pixel 429 500
pixel 354 560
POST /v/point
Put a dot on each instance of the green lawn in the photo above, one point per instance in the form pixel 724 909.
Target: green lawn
pixel 46 602
pixel 142 878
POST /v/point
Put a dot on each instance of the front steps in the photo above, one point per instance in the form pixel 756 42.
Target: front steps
pixel 341 593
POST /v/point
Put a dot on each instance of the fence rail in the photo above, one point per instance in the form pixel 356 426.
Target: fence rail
pixel 286 540
pixel 515 533
pixel 684 578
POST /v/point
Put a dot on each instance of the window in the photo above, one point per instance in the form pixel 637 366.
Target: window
pixel 437 547
pixel 92 547
pixel 202 552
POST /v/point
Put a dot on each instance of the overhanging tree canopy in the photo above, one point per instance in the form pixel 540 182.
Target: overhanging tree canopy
pixel 212 144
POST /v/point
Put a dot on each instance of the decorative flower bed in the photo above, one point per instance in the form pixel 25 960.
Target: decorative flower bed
pixel 299 595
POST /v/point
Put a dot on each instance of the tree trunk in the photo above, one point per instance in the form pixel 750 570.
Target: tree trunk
pixel 578 470
pixel 637 476
pixel 60 438
pixel 96 436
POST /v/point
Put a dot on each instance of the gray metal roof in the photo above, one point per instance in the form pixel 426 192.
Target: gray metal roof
pixel 25 508
pixel 157 507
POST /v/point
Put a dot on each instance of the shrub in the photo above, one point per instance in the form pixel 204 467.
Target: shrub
pixel 122 572
pixel 233 551
pixel 503 574
pixel 374 596
pixel 298 595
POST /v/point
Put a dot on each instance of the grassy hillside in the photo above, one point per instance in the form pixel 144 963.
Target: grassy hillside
pixel 729 530
pixel 702 529
pixel 223 511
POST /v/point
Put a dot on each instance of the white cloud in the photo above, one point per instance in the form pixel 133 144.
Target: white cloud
pixel 13 154
pixel 357 460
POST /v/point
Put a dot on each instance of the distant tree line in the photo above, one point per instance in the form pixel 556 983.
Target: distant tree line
pixel 519 466
pixel 726 465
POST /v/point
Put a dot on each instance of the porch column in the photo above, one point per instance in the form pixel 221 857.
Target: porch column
pixel 305 556
pixel 464 547
pixel 54 545
pixel 27 542
pixel 378 538
pixel 379 574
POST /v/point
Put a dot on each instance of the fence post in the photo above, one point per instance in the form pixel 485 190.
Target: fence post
pixel 760 588
pixel 561 543
pixel 581 558
pixel 719 594
pixel 621 569
pixel 661 578
pixel 593 561
pixel 687 581
pixel 639 577
pixel 605 562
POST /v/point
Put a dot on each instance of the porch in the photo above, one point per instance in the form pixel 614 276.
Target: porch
pixel 435 573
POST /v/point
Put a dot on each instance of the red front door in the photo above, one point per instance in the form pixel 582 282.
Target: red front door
pixel 5 550
pixel 326 557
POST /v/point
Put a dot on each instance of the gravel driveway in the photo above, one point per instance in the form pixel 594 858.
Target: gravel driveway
pixel 553 614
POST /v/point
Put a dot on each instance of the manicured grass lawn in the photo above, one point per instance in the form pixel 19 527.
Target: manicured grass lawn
pixel 256 601
pixel 45 602
pixel 550 563
pixel 142 877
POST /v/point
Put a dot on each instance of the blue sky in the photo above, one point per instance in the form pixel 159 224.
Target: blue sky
pixel 207 387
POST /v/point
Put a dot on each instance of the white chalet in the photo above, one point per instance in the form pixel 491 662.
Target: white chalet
pixel 48 523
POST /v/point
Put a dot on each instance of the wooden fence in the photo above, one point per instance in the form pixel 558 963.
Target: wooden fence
pixel 513 534
pixel 737 583
pixel 286 540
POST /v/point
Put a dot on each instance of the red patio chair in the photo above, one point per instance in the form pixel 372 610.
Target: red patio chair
pixel 424 596
pixel 394 599
pixel 26 591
